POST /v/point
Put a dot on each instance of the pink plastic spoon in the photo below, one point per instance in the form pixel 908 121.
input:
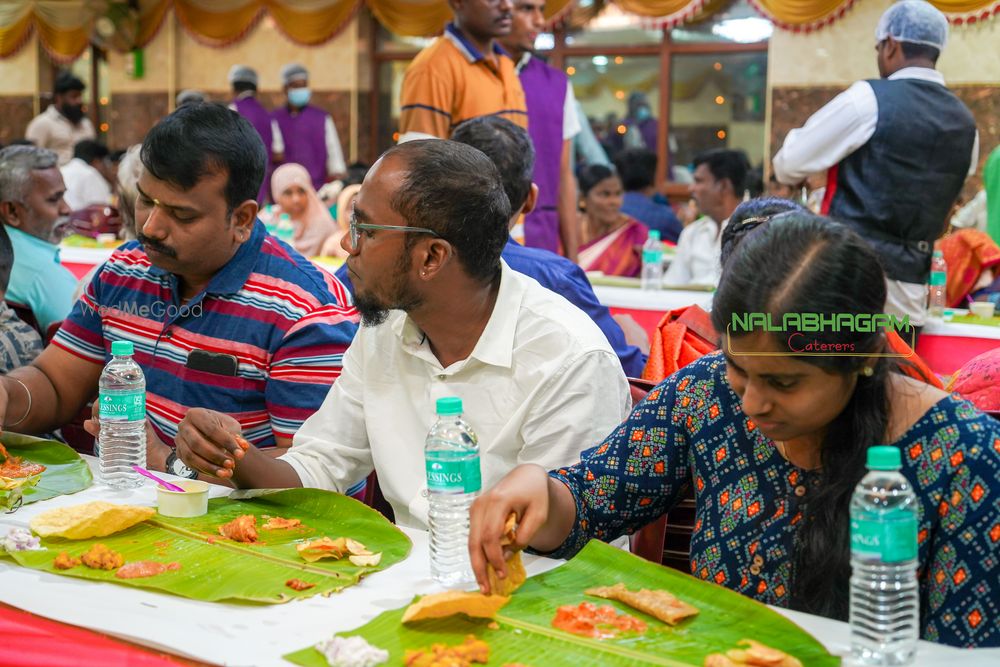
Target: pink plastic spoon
pixel 162 482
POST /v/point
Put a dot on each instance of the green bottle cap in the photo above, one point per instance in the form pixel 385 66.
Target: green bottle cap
pixel 883 457
pixel 654 234
pixel 121 348
pixel 450 405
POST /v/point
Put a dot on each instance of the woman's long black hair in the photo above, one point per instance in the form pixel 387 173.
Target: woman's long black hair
pixel 802 263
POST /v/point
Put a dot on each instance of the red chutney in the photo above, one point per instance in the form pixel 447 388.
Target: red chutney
pixel 589 620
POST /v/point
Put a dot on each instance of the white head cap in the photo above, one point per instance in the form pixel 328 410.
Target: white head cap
pixel 242 74
pixel 913 21
pixel 293 72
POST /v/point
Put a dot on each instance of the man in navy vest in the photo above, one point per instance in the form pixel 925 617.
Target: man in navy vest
pixel 245 103
pixel 308 132
pixel 896 151
pixel 552 123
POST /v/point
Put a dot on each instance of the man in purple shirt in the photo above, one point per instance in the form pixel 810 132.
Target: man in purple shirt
pixel 244 82
pixel 308 132
pixel 552 123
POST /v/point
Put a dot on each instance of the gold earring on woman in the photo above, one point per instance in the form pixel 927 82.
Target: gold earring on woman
pixel 867 371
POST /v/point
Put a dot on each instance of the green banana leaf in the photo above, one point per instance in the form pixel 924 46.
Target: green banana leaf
pixel 525 634
pixel 65 472
pixel 214 568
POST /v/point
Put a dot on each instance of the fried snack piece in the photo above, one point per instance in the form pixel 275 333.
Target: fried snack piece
pixel 140 569
pixel 756 654
pixel 658 604
pixel 588 620
pixel 366 560
pixel 13 466
pixel 93 519
pixel 516 575
pixel 449 603
pixel 278 523
pixel 299 585
pixel 99 557
pixel 471 651
pixel 65 562
pixel 324 547
pixel 241 529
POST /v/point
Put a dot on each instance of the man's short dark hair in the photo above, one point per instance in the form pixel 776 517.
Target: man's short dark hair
pixel 726 164
pixel 243 86
pixel 89 150
pixel 456 191
pixel 65 82
pixel 6 258
pixel 637 168
pixel 913 51
pixel 510 148
pixel 200 139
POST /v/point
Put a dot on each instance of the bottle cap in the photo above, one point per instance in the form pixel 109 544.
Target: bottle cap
pixel 654 234
pixel 883 457
pixel 450 405
pixel 938 253
pixel 121 348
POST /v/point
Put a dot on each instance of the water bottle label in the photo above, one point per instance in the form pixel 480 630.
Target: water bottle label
pixel 126 406
pixel 652 256
pixel 939 278
pixel 449 475
pixel 890 537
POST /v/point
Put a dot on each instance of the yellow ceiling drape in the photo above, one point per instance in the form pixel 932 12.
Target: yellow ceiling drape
pixel 968 11
pixel 15 28
pixel 802 15
pixel 313 26
pixel 218 24
pixel 423 18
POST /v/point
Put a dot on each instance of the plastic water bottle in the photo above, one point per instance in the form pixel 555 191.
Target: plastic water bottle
pixel 451 454
pixel 285 230
pixel 885 603
pixel 122 415
pixel 936 286
pixel 652 262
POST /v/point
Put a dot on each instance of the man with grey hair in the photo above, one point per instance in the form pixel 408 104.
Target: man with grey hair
pixel 896 151
pixel 243 79
pixel 308 132
pixel 37 219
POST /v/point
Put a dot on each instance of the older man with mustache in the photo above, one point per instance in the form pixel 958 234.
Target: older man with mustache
pixel 226 321
pixel 463 74
pixel 37 219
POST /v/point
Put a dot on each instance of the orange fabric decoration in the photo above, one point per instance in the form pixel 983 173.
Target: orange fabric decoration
pixel 967 252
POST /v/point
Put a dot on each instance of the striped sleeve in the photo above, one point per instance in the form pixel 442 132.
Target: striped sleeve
pixel 81 333
pixel 305 366
pixel 427 100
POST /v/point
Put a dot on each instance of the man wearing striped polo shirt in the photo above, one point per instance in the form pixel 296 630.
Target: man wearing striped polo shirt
pixel 223 316
pixel 463 74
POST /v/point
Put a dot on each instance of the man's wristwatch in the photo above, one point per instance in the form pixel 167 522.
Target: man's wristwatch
pixel 176 467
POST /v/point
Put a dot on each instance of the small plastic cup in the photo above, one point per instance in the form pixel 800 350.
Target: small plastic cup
pixel 193 502
pixel 982 308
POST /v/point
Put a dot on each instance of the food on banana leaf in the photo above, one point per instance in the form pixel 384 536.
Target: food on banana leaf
pixel 65 562
pixel 449 603
pixel 351 652
pixel 755 654
pixel 516 574
pixel 366 560
pixel 13 466
pixel 471 651
pixel 326 547
pixel 20 539
pixel 589 620
pixel 141 569
pixel 299 585
pixel 12 489
pixel 658 604
pixel 241 529
pixel 99 557
pixel 93 519
pixel 278 523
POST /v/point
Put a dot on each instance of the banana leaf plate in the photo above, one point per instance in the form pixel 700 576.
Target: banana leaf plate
pixel 214 568
pixel 525 634
pixel 65 472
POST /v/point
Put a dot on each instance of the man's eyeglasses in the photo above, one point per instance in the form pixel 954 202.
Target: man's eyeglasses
pixel 356 227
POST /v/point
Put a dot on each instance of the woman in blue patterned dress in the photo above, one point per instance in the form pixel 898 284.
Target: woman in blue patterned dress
pixel 773 445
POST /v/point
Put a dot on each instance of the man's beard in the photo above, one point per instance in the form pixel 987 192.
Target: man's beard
pixel 374 312
pixel 73 112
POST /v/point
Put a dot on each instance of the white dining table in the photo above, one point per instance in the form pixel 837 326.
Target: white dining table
pixel 259 635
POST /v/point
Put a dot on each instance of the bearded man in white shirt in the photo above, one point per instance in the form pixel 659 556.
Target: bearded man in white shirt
pixel 896 151
pixel 719 183
pixel 442 315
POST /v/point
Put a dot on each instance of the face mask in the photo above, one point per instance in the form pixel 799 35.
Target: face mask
pixel 299 97
pixel 643 113
pixel 73 112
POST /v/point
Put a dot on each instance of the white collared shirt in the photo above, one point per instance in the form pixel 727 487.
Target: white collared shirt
pixel 841 127
pixel 541 385
pixel 84 185
pixel 50 129
pixel 699 249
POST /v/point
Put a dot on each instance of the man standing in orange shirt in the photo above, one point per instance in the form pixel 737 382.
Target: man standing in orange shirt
pixel 463 74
